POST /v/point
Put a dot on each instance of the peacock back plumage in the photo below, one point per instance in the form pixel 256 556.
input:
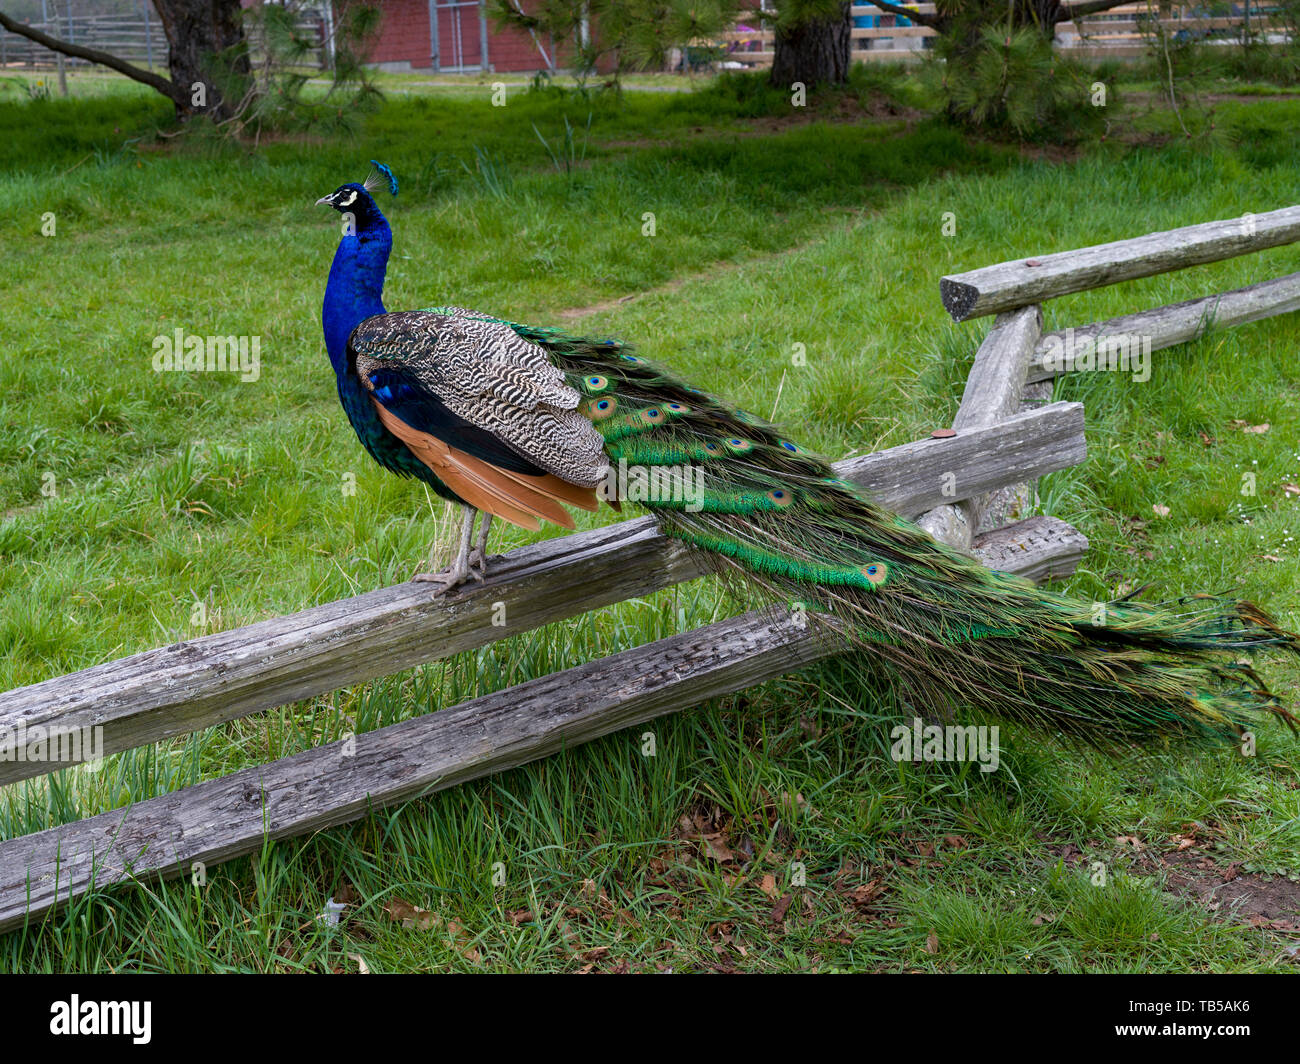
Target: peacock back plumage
pixel 1112 673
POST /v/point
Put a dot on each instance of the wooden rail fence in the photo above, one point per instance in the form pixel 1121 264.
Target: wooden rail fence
pixel 137 37
pixel 961 484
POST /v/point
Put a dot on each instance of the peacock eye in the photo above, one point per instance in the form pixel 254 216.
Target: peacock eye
pixel 876 573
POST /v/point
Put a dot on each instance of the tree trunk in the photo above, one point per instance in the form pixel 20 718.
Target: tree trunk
pixel 208 55
pixel 813 52
pixel 197 32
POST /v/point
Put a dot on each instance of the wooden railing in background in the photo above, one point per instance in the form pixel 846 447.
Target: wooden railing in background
pixel 137 37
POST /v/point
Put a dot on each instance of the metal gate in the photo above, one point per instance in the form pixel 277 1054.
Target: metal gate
pixel 459 32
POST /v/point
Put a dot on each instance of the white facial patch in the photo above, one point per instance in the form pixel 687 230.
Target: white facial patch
pixel 348 200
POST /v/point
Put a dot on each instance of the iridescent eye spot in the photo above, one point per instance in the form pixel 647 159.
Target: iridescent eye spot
pixel 712 448
pixel 630 358
pixel 789 446
pixel 781 497
pixel 653 416
pixel 739 446
pixel 876 573
pixel 601 409
pixel 677 408
pixel 595 384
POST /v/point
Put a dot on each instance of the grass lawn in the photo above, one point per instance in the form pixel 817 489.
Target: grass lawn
pixel 128 497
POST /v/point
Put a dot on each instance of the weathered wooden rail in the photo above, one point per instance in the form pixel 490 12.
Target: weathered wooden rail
pixel 342 781
pixel 1017 361
pixel 957 484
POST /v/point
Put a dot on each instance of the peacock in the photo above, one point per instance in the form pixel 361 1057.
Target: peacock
pixel 522 422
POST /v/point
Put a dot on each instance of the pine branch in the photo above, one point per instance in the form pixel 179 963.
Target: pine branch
pixel 94 55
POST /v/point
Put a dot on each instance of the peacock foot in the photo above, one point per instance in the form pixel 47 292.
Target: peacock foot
pixel 478 562
pixel 452 577
pixel 463 566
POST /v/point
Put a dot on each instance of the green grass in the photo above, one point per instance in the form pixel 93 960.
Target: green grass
pixel 175 489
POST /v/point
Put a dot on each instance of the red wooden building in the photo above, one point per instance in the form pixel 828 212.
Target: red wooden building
pixel 453 35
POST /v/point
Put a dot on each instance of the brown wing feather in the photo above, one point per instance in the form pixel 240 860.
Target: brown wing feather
pixel 514 497
pixel 560 490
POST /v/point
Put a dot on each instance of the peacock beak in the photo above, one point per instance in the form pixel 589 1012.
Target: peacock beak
pixel 327 200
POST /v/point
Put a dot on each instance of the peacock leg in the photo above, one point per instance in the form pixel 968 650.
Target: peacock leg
pixel 478 556
pixel 459 570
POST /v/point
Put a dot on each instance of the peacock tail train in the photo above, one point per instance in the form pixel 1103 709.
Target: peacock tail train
pixel 1110 674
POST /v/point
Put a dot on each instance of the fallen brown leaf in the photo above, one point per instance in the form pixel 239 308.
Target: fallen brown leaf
pixel 864 895
pixel 718 848
pixel 781 908
pixel 403 912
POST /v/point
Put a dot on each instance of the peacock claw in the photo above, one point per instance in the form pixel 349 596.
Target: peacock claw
pixel 447 580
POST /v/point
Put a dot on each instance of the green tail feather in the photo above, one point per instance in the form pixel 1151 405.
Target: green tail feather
pixel 1112 674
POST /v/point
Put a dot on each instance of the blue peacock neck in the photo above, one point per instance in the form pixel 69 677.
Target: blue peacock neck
pixel 356 286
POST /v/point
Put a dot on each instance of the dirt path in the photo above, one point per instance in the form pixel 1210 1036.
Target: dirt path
pixel 718 268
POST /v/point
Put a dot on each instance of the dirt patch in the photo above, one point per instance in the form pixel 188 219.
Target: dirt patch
pixel 1271 901
pixel 1191 874
pixel 766 126
pixel 1057 154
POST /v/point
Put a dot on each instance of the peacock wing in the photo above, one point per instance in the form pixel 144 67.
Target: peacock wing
pixel 486 411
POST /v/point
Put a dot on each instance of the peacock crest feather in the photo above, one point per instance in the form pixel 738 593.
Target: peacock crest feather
pixel 380 177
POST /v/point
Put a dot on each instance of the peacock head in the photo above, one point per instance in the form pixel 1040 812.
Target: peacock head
pixel 355 200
